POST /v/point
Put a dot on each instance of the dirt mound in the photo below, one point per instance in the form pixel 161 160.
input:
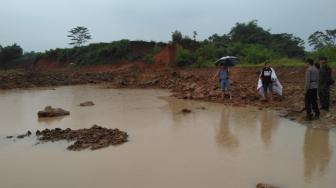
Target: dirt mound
pixel 94 138
pixel 165 57
pixel 46 65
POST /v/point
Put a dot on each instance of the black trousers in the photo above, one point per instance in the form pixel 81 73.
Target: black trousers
pixel 324 95
pixel 311 102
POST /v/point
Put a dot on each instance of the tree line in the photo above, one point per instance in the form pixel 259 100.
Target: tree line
pixel 253 44
pixel 249 41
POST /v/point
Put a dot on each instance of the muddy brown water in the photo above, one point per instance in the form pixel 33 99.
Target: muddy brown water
pixel 217 147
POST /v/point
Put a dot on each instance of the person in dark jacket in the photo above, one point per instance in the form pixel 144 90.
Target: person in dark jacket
pixel 267 81
pixel 311 84
pixel 325 81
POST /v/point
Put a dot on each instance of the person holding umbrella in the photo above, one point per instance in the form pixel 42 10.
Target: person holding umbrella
pixel 223 74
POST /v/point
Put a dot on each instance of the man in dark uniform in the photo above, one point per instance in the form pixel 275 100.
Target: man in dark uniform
pixel 325 81
pixel 311 84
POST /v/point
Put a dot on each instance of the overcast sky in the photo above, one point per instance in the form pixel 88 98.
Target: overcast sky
pixel 38 25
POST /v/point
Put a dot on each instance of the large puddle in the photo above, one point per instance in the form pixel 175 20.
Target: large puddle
pixel 216 147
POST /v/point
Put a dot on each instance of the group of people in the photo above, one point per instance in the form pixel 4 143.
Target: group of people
pixel 318 79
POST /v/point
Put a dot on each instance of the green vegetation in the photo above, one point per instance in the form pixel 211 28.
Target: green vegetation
pixel 251 43
pixel 254 46
pixel 9 54
pixel 100 53
pixel 282 62
pixel 184 57
pixel 326 51
pixel 320 39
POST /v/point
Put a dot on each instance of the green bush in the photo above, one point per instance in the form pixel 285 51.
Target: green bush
pixel 328 51
pixel 203 63
pixel 184 57
pixel 10 53
pixel 255 54
pixel 93 53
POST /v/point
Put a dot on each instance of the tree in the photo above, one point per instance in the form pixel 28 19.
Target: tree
pixel 288 44
pixel 79 36
pixel 321 39
pixel 177 37
pixel 194 35
pixel 331 34
pixel 10 53
pixel 250 33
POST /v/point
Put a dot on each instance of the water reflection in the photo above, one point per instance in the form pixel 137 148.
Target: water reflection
pixel 218 146
pixel 50 121
pixel 317 153
pixel 225 136
pixel 268 125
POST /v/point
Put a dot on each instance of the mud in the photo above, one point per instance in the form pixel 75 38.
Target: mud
pixel 93 138
pixel 194 84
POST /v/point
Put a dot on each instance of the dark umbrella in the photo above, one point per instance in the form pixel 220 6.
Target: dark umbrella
pixel 227 61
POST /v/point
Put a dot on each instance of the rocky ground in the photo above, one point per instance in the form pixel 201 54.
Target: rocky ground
pixel 93 138
pixel 195 84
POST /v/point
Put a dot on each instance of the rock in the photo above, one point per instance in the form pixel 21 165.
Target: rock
pixel 87 103
pixel 94 138
pixel 152 82
pixel 21 136
pixel 186 111
pixel 283 113
pixel 187 96
pixel 24 135
pixel 263 185
pixel 122 82
pixel 52 112
pixel 201 108
pixel 174 74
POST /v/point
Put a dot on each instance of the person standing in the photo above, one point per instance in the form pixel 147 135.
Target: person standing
pixel 267 81
pixel 311 84
pixel 223 75
pixel 325 81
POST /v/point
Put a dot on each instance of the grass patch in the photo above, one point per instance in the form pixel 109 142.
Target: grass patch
pixel 283 62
